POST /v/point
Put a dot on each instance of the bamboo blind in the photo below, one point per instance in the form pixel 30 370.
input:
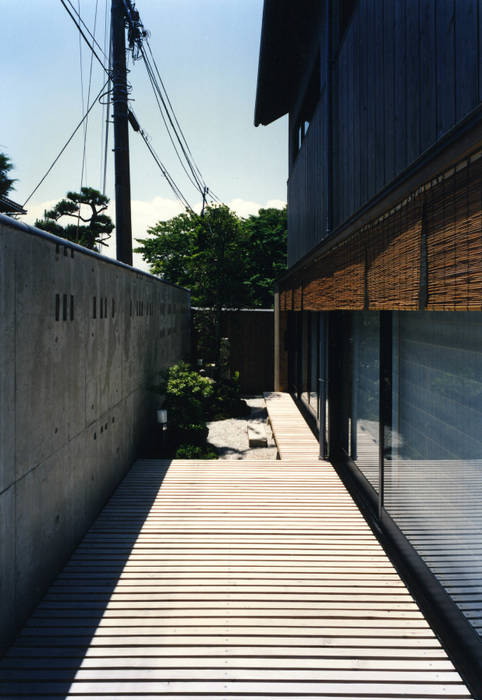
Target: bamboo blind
pixel 424 253
pixel 454 240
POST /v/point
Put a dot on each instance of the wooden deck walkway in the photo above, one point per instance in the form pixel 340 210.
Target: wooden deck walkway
pixel 292 435
pixel 219 579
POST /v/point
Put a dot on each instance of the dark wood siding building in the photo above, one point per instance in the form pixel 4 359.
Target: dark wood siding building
pixel 379 315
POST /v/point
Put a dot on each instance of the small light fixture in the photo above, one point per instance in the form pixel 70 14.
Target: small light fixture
pixel 162 418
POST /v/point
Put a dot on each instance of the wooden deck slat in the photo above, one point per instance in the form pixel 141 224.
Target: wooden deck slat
pixel 230 580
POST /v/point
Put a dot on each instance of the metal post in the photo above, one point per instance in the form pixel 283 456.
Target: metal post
pixel 121 135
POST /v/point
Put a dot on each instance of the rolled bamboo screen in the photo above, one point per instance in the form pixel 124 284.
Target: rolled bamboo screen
pixel 454 240
pixel 426 253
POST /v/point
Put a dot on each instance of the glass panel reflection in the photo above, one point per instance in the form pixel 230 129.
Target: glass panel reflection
pixel 365 400
pixel 433 485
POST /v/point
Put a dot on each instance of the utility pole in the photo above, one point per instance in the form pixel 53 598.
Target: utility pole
pixel 121 135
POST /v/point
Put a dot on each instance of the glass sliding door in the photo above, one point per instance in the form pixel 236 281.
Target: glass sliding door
pixel 364 422
pixel 314 362
pixel 433 478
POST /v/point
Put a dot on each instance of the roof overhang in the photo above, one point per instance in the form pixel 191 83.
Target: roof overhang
pixel 8 206
pixel 287 34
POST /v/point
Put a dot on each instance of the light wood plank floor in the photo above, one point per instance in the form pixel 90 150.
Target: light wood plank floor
pixel 218 579
pixel 292 435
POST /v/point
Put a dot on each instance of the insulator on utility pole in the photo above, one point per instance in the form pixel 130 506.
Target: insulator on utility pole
pixel 121 134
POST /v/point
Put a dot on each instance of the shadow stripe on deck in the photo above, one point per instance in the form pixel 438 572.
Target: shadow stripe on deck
pixel 227 579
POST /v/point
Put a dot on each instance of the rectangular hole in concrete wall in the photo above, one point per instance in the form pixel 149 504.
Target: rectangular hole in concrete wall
pixel 66 251
pixel 64 307
pixel 113 308
pixel 94 307
pixel 71 252
pixel 105 307
pixel 57 307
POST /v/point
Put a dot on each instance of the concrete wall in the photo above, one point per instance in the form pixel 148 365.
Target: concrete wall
pixel 83 338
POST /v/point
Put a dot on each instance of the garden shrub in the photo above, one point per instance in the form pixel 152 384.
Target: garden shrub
pixel 188 451
pixel 192 399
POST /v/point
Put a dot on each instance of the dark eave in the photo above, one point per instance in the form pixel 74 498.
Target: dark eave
pixel 8 206
pixel 286 40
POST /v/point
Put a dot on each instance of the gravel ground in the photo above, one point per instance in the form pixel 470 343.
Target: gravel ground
pixel 230 437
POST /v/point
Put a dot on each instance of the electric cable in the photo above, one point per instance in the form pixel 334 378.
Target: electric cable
pixel 177 191
pixel 104 136
pixel 139 36
pixel 99 94
pixel 158 97
pixel 102 50
pixel 77 24
pixel 86 124
pixel 172 110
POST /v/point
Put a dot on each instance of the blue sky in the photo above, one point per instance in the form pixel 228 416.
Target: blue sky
pixel 207 53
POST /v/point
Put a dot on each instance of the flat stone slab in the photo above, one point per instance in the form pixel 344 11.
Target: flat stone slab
pixel 257 436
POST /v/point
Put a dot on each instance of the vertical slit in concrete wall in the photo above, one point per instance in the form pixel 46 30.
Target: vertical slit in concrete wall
pixel 66 251
pixel 71 307
pixel 57 249
pixel 71 252
pixel 113 308
pixel 94 307
pixel 57 307
pixel 105 307
pixel 101 307
pixel 64 307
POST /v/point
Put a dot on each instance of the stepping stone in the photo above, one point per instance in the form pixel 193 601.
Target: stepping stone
pixel 257 436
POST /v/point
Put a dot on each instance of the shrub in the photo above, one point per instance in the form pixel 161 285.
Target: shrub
pixel 187 451
pixel 188 394
pixel 226 401
pixel 193 433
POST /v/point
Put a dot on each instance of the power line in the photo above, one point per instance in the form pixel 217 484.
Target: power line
pixel 176 190
pixel 139 34
pixel 77 24
pixel 104 137
pixel 86 125
pixel 137 37
pixel 68 141
pixel 94 40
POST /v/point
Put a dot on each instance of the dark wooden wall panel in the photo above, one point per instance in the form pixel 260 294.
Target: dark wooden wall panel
pixel 370 93
pixel 428 105
pixel 400 87
pixel 479 57
pixel 445 86
pixel 362 144
pixel 357 57
pixel 306 203
pixel 412 28
pixel 466 51
pixel 389 77
pixel 379 96
pixel 405 73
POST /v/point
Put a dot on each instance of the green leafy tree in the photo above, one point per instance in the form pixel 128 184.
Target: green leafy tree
pixel 267 235
pixel 205 253
pixel 6 183
pixel 85 206
pixel 225 261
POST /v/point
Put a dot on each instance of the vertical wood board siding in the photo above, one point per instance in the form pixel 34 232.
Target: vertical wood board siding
pixel 405 74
